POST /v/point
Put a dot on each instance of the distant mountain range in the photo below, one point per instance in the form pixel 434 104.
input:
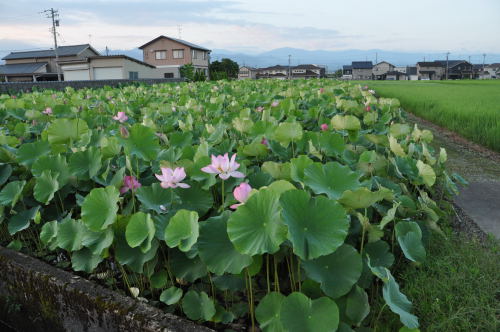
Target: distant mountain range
pixel 332 59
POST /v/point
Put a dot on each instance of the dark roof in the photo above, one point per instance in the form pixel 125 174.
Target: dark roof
pixel 347 67
pixel 429 64
pixel 177 40
pixel 362 65
pixel 271 75
pixel 307 66
pixel 451 63
pixel 276 67
pixel 61 51
pixel 307 73
pixel 21 68
pixel 385 62
pixel 411 70
pixel 427 72
pixel 116 56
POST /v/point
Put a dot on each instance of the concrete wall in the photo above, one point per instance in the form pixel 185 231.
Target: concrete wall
pixel 142 70
pixel 362 74
pixel 37 297
pixel 54 85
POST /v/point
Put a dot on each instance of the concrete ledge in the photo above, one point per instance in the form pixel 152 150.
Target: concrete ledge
pixel 15 87
pixel 38 297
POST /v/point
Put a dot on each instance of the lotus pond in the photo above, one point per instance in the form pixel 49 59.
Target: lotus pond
pixel 270 205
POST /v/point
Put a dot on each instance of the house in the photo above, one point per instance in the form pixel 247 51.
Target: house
pixel 168 54
pixel 41 65
pixel 381 69
pixel 362 70
pixel 430 70
pixel 457 69
pixel 493 70
pixel 107 68
pixel 347 72
pixel 278 71
pixel 247 72
pixel 394 75
pixel 401 69
pixel 308 71
pixel 411 73
pixel 303 71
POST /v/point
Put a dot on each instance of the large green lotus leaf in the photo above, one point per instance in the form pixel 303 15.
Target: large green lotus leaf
pixel 70 234
pixel 134 258
pixel 67 131
pixel 11 193
pixel 399 130
pixel 182 231
pixel 54 164
pixel 256 227
pixel 371 162
pixel 409 237
pixel 45 187
pixel 155 198
pixel 277 170
pixel 217 251
pixel 362 197
pixel 159 279
pixel 332 144
pixel 21 221
pixel 427 173
pixel 140 231
pixel 85 260
pixel 195 199
pixel 331 179
pixel 301 314
pixel 337 272
pixel 255 149
pixel 85 164
pixel 97 242
pixel 399 303
pixel 5 173
pixel 99 208
pixel 298 165
pixel 345 122
pixel 48 234
pixel 171 296
pixel 198 306
pixel 28 153
pixel 280 186
pixel 142 142
pixel 185 268
pixel 268 312
pixel 379 254
pixel 357 305
pixel 395 147
pixel 288 132
pixel 316 226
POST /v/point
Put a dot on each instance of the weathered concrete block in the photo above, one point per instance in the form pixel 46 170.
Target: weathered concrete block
pixel 35 296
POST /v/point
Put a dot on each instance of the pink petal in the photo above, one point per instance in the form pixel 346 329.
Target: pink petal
pixel 160 177
pixel 236 174
pixel 183 185
pixel 224 176
pixel 209 169
pixel 235 206
pixel 241 192
pixel 123 190
pixel 166 185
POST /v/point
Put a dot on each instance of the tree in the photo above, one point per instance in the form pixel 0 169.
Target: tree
pixel 187 71
pixel 227 66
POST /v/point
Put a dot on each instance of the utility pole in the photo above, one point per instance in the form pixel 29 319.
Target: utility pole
pixel 289 69
pixel 447 54
pixel 484 59
pixel 53 14
pixel 376 57
pixel 107 51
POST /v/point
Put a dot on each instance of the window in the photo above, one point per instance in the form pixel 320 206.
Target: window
pixel 160 55
pixel 168 75
pixel 194 54
pixel 178 54
pixel 204 55
pixel 133 75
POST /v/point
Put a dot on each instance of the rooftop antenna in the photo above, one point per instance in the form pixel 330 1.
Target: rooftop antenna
pixel 54 15
pixel 179 30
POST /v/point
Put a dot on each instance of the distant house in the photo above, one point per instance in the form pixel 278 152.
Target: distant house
pixel 308 71
pixel 362 70
pixel 411 73
pixel 430 70
pixel 381 69
pixel 394 75
pixel 294 72
pixel 41 65
pixel 457 69
pixel 492 70
pixel 347 72
pixel 247 72
pixel 278 71
pixel 168 54
pixel 107 68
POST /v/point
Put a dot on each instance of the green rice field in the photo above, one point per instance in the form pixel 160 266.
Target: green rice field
pixel 470 108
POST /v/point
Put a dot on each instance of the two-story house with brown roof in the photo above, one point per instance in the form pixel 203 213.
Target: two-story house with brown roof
pixel 168 54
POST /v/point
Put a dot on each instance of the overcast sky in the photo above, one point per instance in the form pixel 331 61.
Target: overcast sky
pixel 253 26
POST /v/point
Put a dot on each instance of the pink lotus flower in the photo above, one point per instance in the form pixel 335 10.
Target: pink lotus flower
pixel 368 108
pixel 324 127
pixel 121 117
pixel 264 141
pixel 259 109
pixel 124 132
pixel 171 178
pixel 321 90
pixel 275 103
pixel 224 167
pixel 241 194
pixel 47 111
pixel 129 183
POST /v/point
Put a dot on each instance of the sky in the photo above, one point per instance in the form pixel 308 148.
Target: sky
pixel 254 26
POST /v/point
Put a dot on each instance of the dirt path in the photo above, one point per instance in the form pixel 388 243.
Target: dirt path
pixel 480 201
